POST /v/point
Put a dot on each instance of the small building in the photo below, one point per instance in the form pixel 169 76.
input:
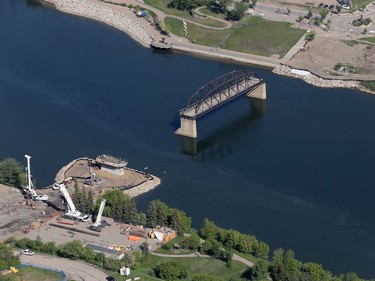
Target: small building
pixel 111 164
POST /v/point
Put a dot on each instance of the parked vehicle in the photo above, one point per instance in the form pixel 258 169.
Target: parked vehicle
pixel 27 252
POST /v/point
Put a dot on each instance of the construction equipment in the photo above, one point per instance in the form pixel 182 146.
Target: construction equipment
pixel 29 188
pixel 72 212
pixel 99 224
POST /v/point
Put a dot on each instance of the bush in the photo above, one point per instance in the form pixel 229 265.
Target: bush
pixel 171 271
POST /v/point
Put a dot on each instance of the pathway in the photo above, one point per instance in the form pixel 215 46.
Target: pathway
pixel 295 49
pixel 76 270
pixel 198 255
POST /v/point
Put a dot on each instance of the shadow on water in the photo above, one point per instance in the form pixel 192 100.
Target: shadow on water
pixel 221 143
pixel 39 3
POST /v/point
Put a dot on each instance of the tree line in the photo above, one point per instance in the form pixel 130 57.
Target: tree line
pixel 233 10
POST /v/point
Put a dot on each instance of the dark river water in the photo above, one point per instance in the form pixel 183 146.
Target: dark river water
pixel 297 170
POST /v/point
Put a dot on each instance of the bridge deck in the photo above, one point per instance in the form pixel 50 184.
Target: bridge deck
pixel 219 96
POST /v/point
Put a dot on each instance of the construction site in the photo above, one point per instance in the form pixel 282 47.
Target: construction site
pixel 50 213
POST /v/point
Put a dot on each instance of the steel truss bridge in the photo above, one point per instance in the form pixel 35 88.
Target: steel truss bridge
pixel 220 91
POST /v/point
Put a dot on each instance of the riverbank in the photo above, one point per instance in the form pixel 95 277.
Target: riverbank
pixel 143 32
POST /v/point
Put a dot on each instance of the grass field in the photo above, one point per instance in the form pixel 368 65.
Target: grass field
pixel 254 36
pixel 360 3
pixel 263 38
pixel 369 39
pixel 32 274
pixel 202 36
pixel 195 266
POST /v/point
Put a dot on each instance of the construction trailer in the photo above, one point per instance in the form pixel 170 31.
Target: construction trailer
pixel 29 188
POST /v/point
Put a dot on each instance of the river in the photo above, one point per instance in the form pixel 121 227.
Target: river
pixel 296 171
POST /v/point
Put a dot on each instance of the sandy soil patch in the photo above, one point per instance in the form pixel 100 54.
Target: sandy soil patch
pixel 322 54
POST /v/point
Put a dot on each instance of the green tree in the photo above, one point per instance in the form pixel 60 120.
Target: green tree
pixel 323 13
pixel 260 271
pixel 12 173
pixel 191 242
pixel 310 36
pixel 351 276
pixel 129 259
pixel 247 244
pixel 49 247
pixel 208 229
pixel 309 14
pixel 262 250
pixel 292 266
pixel 314 272
pixel 176 222
pixel 171 270
pixel 237 12
pixel 88 254
pixel 299 19
pixel 338 8
pixel 7 258
pixel 72 250
pixel 277 268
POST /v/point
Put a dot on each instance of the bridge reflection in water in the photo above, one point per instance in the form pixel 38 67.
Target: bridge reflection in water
pixel 211 148
pixel 217 93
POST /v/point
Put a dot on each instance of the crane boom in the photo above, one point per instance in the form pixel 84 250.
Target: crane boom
pixel 99 217
pixel 29 186
pixel 72 212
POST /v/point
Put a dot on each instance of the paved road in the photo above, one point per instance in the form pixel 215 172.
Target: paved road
pixel 75 270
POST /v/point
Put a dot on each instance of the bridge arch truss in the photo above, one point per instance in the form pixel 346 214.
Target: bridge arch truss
pixel 220 91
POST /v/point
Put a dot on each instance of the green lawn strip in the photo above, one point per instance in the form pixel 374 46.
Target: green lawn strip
pixel 32 274
pixel 168 248
pixel 202 36
pixel 351 42
pixel 264 38
pixel 163 6
pixel 195 266
pixel 368 39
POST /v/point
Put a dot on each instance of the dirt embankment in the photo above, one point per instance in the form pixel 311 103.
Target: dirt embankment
pixel 321 55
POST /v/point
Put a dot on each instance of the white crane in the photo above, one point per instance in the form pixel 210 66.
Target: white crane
pixel 72 212
pixel 29 186
pixel 99 224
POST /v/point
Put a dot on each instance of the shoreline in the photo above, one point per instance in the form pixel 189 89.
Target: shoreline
pixel 150 182
pixel 120 18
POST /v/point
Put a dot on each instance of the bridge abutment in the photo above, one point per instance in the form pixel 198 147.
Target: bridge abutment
pixel 188 128
pixel 259 92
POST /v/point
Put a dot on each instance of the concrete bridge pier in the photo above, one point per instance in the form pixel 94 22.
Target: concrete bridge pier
pixel 259 92
pixel 188 128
